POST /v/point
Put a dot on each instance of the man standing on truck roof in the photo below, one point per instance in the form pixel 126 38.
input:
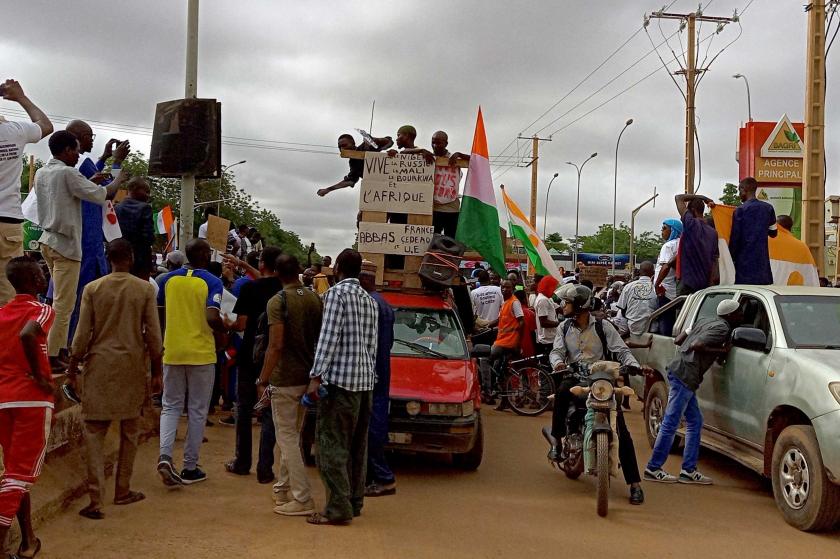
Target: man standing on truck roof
pixel 380 476
pixel 752 223
pixel 586 339
pixel 357 166
pixel 698 249
pixel 699 347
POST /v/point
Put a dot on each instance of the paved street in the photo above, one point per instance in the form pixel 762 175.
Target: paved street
pixel 515 505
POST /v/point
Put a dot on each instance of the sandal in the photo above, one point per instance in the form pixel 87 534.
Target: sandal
pixel 92 512
pixel 34 553
pixel 128 498
pixel 321 520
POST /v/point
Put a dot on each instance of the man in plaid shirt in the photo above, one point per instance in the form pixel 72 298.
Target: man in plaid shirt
pixel 344 366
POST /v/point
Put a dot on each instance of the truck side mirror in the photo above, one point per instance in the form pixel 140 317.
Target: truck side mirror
pixel 480 350
pixel 752 339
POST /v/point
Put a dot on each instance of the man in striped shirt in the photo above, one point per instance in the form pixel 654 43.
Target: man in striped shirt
pixel 26 396
pixel 344 365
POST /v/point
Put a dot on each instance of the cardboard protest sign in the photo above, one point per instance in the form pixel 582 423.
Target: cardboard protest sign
pixel 217 232
pixel 596 274
pixel 395 238
pixel 399 184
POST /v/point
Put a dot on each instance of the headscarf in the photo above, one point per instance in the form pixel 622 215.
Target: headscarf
pixel 547 286
pixel 676 228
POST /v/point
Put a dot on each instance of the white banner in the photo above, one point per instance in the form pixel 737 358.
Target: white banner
pixel 399 184
pixel 395 238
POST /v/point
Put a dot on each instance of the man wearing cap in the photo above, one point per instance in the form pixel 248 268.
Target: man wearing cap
pixel 706 341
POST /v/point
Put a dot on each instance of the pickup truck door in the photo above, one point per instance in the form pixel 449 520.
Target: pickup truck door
pixel 707 393
pixel 739 384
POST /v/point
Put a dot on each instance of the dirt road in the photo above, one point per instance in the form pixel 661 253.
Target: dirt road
pixel 515 505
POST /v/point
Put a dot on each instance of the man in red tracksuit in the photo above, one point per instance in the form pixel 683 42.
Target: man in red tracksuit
pixel 26 396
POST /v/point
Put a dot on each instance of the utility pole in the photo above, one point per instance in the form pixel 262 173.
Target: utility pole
pixel 190 92
pixel 535 155
pixel 813 174
pixel 692 74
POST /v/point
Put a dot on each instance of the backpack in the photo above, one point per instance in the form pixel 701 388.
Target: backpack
pixel 261 335
pixel 599 330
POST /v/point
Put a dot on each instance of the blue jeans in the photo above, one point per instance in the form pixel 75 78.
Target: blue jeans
pixel 682 401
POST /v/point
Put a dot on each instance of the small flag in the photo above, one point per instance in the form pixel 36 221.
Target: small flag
pixel 520 228
pixel 110 224
pixel 164 221
pixel 478 222
pixel 790 260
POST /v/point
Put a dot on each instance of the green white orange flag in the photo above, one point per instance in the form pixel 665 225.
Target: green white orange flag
pixel 520 228
pixel 164 221
pixel 478 223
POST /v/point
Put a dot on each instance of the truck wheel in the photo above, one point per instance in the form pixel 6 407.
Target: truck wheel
pixel 807 499
pixel 602 448
pixel 471 459
pixel 656 402
pixel 307 439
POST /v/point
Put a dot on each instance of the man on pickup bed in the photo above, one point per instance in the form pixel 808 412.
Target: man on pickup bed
pixel 699 347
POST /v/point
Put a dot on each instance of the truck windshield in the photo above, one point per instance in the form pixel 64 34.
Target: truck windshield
pixel 430 333
pixel 810 321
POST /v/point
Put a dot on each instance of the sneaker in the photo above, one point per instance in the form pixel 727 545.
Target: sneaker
pixel 167 472
pixel 694 477
pixel 188 477
pixel 281 496
pixel 296 508
pixel 230 421
pixel 376 489
pixel 659 475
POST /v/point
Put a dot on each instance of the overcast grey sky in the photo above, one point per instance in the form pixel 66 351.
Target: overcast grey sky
pixel 306 71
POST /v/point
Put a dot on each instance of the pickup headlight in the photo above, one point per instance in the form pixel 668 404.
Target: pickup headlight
pixel 834 387
pixel 452 410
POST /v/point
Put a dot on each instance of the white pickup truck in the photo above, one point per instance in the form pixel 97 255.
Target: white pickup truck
pixel 774 405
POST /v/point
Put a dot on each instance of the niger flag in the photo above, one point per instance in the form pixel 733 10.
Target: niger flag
pixel 790 260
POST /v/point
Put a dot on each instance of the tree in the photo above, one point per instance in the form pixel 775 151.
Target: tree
pixel 730 195
pixel 237 205
pixel 555 241
pixel 646 245
pixel 24 175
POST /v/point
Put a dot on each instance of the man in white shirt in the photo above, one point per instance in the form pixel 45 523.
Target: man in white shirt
pixel 60 191
pixel 13 137
pixel 638 300
pixel 665 279
pixel 487 301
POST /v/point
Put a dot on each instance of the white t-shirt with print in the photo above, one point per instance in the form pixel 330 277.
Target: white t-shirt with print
pixel 13 137
pixel 487 301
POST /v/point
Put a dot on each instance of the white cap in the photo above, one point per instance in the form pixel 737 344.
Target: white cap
pixel 727 306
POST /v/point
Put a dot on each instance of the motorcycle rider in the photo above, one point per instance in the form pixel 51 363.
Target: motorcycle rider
pixel 584 338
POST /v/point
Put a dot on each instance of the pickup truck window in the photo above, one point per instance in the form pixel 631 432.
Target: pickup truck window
pixel 755 314
pixel 430 333
pixel 810 321
pixel 708 308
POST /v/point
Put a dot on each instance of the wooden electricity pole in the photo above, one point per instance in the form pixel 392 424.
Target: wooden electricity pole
pixel 813 174
pixel 533 164
pixel 691 73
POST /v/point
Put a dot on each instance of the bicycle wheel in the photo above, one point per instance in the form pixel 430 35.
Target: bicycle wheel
pixel 528 389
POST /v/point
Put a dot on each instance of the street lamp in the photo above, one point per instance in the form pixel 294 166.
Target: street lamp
pixel 615 189
pixel 749 103
pixel 577 206
pixel 225 169
pixel 633 228
pixel 545 217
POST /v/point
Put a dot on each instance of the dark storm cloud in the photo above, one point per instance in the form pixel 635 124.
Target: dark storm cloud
pixel 305 72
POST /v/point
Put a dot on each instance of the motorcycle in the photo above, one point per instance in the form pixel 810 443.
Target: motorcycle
pixel 590 443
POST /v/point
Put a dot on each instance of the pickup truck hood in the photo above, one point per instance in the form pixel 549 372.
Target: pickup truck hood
pixel 432 380
pixel 818 361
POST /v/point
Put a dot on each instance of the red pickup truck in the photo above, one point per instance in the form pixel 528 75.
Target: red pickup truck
pixel 435 394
